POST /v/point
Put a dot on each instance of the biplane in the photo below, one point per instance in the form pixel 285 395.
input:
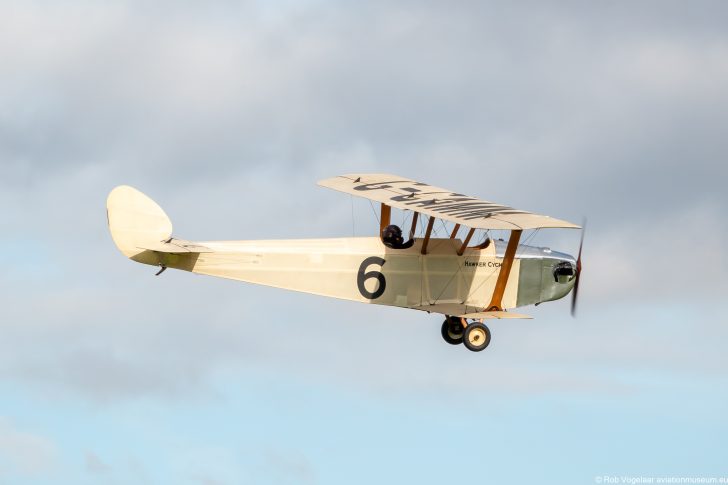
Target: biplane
pixel 467 283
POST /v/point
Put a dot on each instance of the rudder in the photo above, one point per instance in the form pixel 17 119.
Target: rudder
pixel 136 222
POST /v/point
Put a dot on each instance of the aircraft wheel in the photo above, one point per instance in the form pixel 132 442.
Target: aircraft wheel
pixel 452 331
pixel 476 337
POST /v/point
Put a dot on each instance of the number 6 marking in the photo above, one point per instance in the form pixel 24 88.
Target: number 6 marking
pixel 361 277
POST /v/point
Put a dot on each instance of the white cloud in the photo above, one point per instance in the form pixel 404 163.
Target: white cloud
pixel 95 465
pixel 676 257
pixel 228 114
pixel 23 453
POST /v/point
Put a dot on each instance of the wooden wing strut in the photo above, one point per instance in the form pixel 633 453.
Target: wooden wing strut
pixel 385 218
pixel 415 216
pixel 465 243
pixel 505 271
pixel 426 241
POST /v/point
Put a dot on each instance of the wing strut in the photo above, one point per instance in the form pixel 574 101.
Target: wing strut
pixel 430 224
pixel 415 216
pixel 505 271
pixel 465 243
pixel 385 218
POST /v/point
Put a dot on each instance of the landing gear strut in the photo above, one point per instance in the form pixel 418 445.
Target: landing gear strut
pixel 475 335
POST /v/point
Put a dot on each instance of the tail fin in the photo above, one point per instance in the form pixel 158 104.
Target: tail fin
pixel 136 222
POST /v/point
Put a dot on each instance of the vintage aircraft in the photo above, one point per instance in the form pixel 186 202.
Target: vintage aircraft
pixel 467 284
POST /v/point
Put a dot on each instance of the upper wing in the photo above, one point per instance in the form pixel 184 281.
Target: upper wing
pixel 404 193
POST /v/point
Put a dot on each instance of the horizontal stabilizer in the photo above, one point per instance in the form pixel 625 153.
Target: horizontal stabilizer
pixel 176 246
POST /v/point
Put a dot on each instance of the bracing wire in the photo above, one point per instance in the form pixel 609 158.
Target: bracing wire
pixel 374 211
pixel 405 217
pixel 353 227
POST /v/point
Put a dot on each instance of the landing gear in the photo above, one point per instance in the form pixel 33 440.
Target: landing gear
pixel 452 330
pixel 476 336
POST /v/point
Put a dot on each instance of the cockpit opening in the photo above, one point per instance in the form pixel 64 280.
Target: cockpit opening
pixel 482 245
pixel 392 238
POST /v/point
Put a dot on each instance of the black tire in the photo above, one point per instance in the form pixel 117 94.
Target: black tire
pixel 450 332
pixel 476 337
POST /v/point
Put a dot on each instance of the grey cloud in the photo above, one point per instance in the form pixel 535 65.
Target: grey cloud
pixel 188 99
pixel 227 114
pixel 167 337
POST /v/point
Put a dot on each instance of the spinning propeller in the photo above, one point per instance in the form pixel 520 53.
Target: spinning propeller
pixel 575 291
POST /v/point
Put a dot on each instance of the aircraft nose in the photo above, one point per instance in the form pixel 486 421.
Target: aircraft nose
pixel 558 278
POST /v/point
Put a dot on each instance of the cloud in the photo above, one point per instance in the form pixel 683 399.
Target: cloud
pixel 95 465
pixel 287 466
pixel 165 98
pixel 24 454
pixel 228 114
pixel 678 255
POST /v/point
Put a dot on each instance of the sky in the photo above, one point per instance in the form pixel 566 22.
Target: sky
pixel 228 112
